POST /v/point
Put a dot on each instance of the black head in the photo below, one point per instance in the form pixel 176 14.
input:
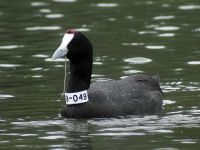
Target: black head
pixel 75 46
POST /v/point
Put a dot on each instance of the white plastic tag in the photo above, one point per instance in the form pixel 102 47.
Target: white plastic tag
pixel 76 98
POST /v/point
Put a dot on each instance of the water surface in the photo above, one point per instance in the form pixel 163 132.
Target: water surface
pixel 154 37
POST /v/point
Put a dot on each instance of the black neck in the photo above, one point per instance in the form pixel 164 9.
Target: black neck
pixel 80 75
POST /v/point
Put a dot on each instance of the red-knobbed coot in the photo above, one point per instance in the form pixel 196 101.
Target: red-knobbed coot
pixel 138 94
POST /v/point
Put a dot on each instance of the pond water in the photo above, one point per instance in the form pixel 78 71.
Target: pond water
pixel 149 36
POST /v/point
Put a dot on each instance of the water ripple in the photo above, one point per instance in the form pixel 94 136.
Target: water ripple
pixel 97 63
pixel 37 76
pixel 83 29
pixel 118 134
pixel 132 44
pixel 166 5
pixel 179 86
pixel 44 10
pixel 166 35
pixel 65 1
pixel 106 5
pixel 186 141
pixel 26 135
pixel 189 7
pixel 53 16
pixel 36 4
pixel 9 65
pixel 97 75
pixel 163 17
pixel 193 62
pixel 56 60
pixel 147 32
pixel 197 30
pixel 40 55
pixel 132 71
pixel 168 102
pixel 36 69
pixel 112 19
pixel 137 60
pixel 4 141
pixel 39 123
pixel 36 28
pixel 129 17
pixel 4 96
pixel 11 46
pixel 52 137
pixel 136 125
pixel 167 28
pixel 155 47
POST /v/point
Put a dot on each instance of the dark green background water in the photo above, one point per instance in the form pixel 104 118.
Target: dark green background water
pixel 129 36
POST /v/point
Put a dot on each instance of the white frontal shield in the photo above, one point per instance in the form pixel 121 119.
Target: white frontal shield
pixel 62 49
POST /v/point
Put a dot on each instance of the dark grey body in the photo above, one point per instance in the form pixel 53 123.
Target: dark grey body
pixel 136 94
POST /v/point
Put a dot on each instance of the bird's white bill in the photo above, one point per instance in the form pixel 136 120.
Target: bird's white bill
pixel 62 49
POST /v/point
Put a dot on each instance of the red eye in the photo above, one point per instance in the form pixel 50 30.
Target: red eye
pixel 71 31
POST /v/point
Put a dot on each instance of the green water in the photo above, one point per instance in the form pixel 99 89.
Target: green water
pixel 154 37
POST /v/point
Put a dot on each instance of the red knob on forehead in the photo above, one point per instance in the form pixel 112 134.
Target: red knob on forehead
pixel 71 31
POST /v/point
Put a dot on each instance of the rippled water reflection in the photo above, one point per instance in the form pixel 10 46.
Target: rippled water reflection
pixel 154 37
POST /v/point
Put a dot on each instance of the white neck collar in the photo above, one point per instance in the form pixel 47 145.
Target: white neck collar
pixel 76 98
